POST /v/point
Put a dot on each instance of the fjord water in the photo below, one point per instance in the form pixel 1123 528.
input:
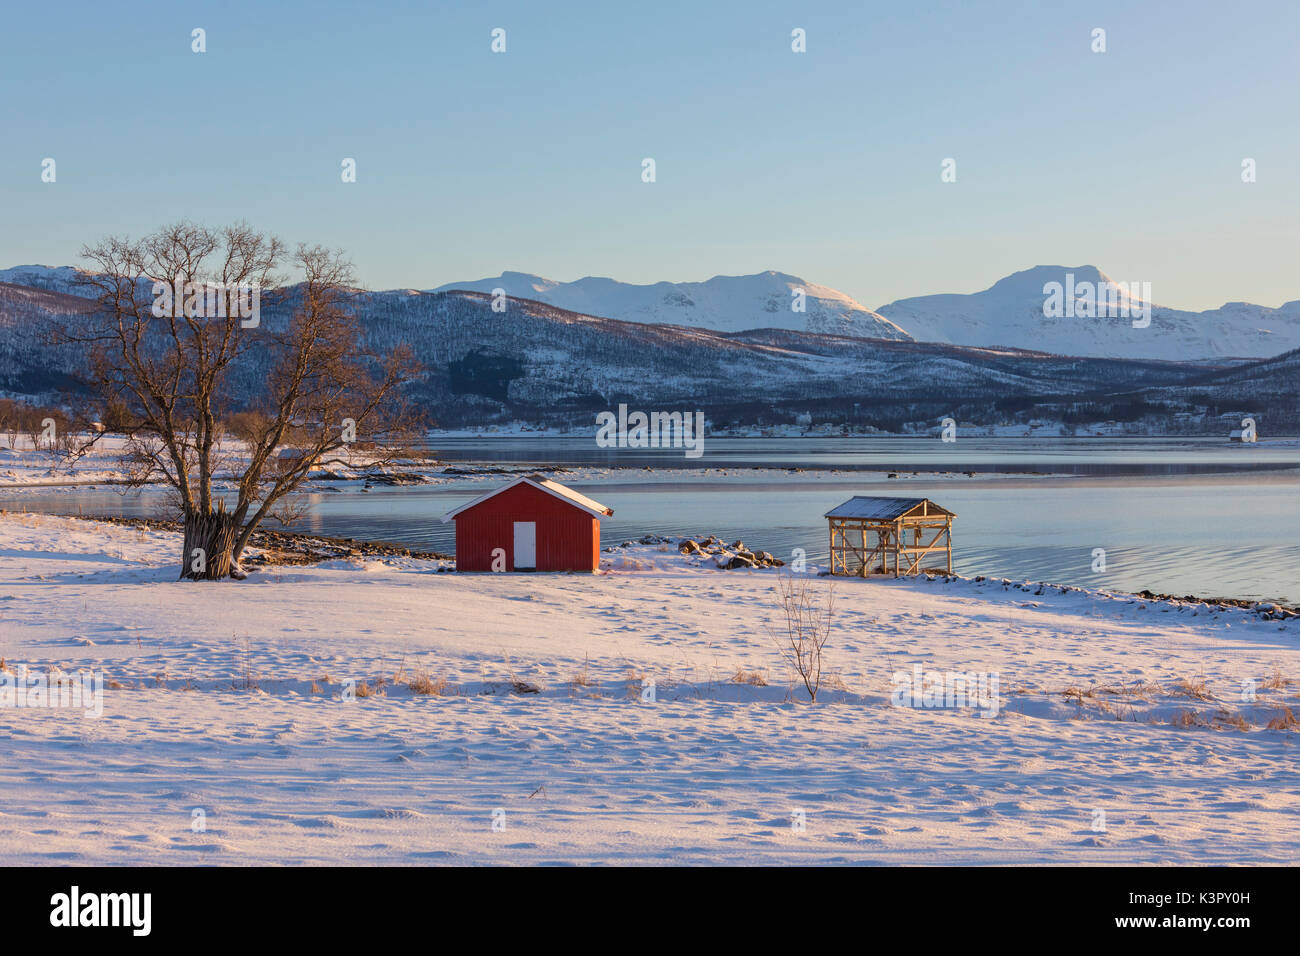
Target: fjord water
pixel 1179 516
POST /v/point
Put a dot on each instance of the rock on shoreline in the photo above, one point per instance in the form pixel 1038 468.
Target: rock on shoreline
pixel 725 557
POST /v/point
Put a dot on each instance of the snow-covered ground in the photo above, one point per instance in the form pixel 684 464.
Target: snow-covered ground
pixel 23 465
pixel 1120 736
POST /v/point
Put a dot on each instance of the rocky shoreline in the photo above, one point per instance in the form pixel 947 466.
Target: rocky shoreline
pixel 725 557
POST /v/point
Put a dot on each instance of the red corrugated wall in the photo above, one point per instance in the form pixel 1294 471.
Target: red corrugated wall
pixel 568 538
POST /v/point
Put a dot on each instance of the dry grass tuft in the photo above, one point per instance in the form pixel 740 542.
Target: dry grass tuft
pixel 833 681
pixel 753 678
pixel 1193 689
pixel 1187 719
pixel 632 682
pixel 426 686
pixel 583 677
pixel 1076 694
pixel 1274 682
pixel 1228 719
pixel 1284 721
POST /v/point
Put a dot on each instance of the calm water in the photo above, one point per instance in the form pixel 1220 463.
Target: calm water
pixel 1179 516
pixel 1083 456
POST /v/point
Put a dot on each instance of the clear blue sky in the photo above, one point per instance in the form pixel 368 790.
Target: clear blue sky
pixel 824 164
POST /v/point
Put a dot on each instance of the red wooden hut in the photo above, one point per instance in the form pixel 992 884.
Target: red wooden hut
pixel 531 524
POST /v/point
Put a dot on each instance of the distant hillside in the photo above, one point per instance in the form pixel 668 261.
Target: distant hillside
pixel 1268 390
pixel 539 363
pixel 29 363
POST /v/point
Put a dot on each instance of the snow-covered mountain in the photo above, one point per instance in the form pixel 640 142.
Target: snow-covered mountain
pixel 1011 313
pixel 541 363
pixel 722 304
pixel 66 279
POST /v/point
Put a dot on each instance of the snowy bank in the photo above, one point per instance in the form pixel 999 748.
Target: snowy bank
pixel 375 710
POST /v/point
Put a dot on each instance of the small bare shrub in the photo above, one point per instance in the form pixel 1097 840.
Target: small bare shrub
pixel 807 627
pixel 249 682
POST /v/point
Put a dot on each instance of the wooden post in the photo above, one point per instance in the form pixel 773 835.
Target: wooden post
pixel 947 534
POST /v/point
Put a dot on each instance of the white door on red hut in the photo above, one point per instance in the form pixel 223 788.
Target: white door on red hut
pixel 525 545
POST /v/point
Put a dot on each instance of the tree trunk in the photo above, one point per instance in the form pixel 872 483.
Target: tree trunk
pixel 242 533
pixel 209 539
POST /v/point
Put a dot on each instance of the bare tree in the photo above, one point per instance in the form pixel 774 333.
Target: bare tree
pixel 807 627
pixel 166 373
pixel 10 415
pixel 34 421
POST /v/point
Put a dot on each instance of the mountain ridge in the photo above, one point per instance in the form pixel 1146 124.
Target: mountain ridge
pixel 539 363
pixel 1010 313
pixel 721 303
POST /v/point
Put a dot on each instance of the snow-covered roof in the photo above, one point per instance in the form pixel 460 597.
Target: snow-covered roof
pixel 545 484
pixel 885 509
